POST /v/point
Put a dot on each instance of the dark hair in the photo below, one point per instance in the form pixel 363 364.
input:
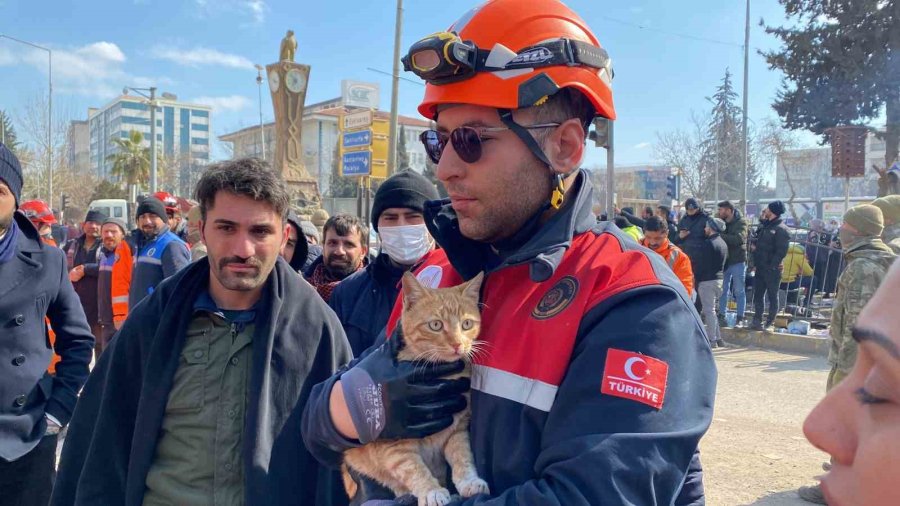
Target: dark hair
pixel 726 204
pixel 344 224
pixel 563 105
pixel 621 222
pixel 655 224
pixel 648 210
pixel 665 209
pixel 629 210
pixel 249 177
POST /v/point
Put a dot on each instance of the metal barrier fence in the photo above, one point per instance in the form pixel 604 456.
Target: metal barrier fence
pixel 809 276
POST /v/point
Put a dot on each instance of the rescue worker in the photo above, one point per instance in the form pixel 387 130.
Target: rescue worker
pixel 890 209
pixel 364 300
pixel 160 253
pixel 868 261
pixel 656 238
pixel 34 405
pixel 769 249
pixel 174 219
pixel 41 216
pixel 83 256
pixel 568 304
pixel 113 282
pixel 628 228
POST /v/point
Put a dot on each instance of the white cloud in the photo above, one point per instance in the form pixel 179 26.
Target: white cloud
pixel 258 9
pixel 95 69
pixel 226 103
pixel 642 145
pixel 200 56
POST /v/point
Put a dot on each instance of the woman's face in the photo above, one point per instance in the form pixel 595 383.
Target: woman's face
pixel 858 422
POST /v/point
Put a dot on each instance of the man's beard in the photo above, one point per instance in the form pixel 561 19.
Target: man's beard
pixel 340 270
pixel 150 235
pixel 240 281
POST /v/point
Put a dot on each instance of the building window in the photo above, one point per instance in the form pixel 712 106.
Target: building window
pixel 131 120
pixel 199 114
pixel 200 128
pixel 138 106
pixel 200 142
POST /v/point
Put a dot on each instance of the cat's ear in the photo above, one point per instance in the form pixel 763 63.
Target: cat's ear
pixel 472 289
pixel 413 291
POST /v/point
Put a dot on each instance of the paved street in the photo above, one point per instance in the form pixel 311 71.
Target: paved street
pixel 755 452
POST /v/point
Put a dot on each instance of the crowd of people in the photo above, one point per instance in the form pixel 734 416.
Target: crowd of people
pixel 238 350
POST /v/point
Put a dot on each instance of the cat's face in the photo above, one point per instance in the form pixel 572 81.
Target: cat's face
pixel 440 324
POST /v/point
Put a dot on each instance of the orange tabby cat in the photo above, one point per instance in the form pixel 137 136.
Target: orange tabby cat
pixel 439 325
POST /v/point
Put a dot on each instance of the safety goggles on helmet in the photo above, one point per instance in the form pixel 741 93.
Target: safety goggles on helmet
pixel 443 57
pixel 466 140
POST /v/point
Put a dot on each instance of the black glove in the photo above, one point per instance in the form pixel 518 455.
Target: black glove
pixel 392 399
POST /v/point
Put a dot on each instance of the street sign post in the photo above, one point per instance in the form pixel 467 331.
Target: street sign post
pixel 356 163
pixel 357 120
pixel 360 139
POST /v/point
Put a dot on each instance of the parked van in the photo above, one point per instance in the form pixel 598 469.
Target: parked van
pixel 114 208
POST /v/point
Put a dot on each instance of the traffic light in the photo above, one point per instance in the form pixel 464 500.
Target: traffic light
pixel 65 202
pixel 600 133
pixel 672 187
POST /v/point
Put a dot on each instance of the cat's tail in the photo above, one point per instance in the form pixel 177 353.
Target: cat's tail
pixel 349 484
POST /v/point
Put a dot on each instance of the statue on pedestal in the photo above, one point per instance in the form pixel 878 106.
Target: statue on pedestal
pixel 287 82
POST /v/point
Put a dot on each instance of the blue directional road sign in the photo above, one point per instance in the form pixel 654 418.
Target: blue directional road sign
pixel 356 163
pixel 357 139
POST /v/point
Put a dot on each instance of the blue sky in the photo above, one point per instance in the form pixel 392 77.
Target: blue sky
pixel 668 56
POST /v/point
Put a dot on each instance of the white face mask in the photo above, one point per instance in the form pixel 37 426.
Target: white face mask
pixel 405 244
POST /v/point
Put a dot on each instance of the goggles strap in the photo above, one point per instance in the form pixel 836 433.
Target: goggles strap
pixel 558 193
pixel 558 52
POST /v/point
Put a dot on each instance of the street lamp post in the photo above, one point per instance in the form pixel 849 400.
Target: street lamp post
pixel 152 98
pixel 49 113
pixel 262 131
pixel 395 85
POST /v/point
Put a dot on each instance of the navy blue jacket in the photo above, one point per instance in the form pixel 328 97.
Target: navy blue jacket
pixel 34 284
pixel 560 310
pixel 112 439
pixel 155 261
pixel 364 300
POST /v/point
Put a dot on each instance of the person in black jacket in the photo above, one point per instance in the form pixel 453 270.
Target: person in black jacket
pixel 692 232
pixel 710 263
pixel 665 213
pixel 34 405
pixel 296 249
pixel 628 213
pixel 363 301
pixel 734 277
pixel 198 398
pixel 772 241
pixel 83 258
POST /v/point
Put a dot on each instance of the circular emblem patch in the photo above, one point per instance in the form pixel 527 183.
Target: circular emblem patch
pixel 556 299
pixel 430 276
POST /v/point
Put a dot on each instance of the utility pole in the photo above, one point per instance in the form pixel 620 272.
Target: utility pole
pixel 153 139
pixel 746 164
pixel 395 84
pixel 262 131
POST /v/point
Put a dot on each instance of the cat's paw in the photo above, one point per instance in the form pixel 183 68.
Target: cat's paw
pixel 472 486
pixel 436 497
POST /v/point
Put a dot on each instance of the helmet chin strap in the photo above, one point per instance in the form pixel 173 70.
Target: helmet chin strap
pixel 557 196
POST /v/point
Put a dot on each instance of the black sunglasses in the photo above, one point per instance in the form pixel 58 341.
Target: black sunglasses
pixel 466 140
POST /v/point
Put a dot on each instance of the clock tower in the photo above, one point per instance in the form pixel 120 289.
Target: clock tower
pixel 287 83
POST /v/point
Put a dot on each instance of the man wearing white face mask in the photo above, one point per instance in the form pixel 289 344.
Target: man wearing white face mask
pixel 363 301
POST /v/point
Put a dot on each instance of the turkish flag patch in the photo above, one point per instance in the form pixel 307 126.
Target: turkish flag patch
pixel 637 377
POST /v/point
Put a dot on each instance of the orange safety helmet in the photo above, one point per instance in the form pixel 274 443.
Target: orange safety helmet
pixel 37 211
pixel 169 201
pixel 518 25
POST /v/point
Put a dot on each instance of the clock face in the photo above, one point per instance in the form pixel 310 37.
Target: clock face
pixel 274 81
pixel 295 81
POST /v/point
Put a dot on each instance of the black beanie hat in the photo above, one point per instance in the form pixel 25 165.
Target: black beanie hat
pixel 11 172
pixel 96 216
pixel 777 207
pixel 154 206
pixel 691 203
pixel 407 189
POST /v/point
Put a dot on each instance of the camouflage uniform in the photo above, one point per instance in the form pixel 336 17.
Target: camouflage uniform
pixel 891 237
pixel 867 264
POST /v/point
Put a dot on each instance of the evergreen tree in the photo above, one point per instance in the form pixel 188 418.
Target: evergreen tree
pixel 723 145
pixel 8 133
pixel 841 65
pixel 339 186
